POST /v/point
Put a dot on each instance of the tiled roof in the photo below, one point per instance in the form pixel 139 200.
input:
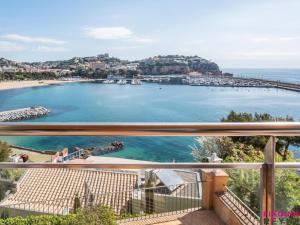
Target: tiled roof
pixel 54 190
pixel 193 186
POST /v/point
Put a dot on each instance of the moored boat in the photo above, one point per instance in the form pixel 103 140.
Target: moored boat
pixel 122 82
pixel 136 82
pixel 108 82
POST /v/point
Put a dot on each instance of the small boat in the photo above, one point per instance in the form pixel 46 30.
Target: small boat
pixel 108 82
pixel 122 82
pixel 136 82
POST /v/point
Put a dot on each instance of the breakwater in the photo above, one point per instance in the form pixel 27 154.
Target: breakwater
pixel 23 114
pixel 115 146
pixel 279 84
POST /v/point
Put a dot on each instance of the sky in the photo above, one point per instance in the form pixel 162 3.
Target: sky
pixel 232 33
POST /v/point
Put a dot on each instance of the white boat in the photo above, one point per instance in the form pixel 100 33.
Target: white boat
pixel 136 82
pixel 122 82
pixel 108 82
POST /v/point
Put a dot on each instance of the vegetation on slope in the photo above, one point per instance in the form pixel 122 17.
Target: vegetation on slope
pixel 245 183
pixel 100 215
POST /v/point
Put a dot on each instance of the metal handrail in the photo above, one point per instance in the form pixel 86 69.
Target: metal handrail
pixel 279 165
pixel 151 129
pixel 242 203
pixel 186 202
pixel 131 189
pixel 73 155
pixel 7 165
pixel 272 129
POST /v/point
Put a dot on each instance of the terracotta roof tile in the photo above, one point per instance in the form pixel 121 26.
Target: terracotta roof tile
pixel 55 189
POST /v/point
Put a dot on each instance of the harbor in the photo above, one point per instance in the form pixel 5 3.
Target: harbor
pixel 149 102
pixel 203 80
pixel 23 113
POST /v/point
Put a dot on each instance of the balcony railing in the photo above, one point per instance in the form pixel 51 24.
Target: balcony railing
pixel 241 208
pixel 267 169
pixel 142 202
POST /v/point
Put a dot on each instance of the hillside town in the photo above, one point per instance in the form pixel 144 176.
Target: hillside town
pixel 169 69
pixel 102 65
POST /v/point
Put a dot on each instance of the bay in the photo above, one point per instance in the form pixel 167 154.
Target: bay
pixel 94 102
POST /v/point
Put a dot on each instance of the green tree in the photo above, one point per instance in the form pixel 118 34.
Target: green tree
pixel 149 194
pixel 3 189
pixel 77 203
pixel 225 148
pixel 5 151
pixel 245 183
pixel 204 148
pixel 287 190
pixel 294 219
pixel 100 215
pixel 259 142
pixel 5 213
pixel 28 76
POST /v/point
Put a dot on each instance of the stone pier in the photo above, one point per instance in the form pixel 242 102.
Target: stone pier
pixel 23 114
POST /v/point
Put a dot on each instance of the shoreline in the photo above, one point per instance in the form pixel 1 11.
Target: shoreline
pixel 8 85
pixel 46 152
pixel 34 156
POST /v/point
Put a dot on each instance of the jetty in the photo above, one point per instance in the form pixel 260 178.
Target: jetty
pixel 279 84
pixel 115 146
pixel 23 113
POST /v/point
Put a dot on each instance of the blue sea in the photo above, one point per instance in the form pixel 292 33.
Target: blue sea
pixel 286 75
pixel 94 102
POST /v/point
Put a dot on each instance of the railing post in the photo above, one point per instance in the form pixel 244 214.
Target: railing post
pixel 215 181
pixel 267 183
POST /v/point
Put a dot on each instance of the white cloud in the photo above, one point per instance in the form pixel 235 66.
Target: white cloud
pixel 10 46
pixel 273 39
pixel 259 39
pixel 121 48
pixel 142 40
pixel 288 38
pixel 267 54
pixel 115 33
pixel 44 48
pixel 107 33
pixel 29 39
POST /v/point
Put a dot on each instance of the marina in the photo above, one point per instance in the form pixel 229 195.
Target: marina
pixel 204 80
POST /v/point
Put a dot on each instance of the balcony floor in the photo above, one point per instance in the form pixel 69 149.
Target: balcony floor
pixel 201 217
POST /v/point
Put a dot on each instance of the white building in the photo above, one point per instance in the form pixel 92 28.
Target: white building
pixel 98 65
pixel 132 66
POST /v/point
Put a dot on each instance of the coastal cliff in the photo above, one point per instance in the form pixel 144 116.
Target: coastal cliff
pixel 177 64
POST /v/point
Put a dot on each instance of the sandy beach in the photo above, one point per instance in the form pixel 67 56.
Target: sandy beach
pixel 33 156
pixel 6 85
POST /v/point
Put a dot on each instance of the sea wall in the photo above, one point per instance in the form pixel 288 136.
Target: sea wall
pixel 23 114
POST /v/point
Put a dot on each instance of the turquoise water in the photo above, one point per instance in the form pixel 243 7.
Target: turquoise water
pixel 92 102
